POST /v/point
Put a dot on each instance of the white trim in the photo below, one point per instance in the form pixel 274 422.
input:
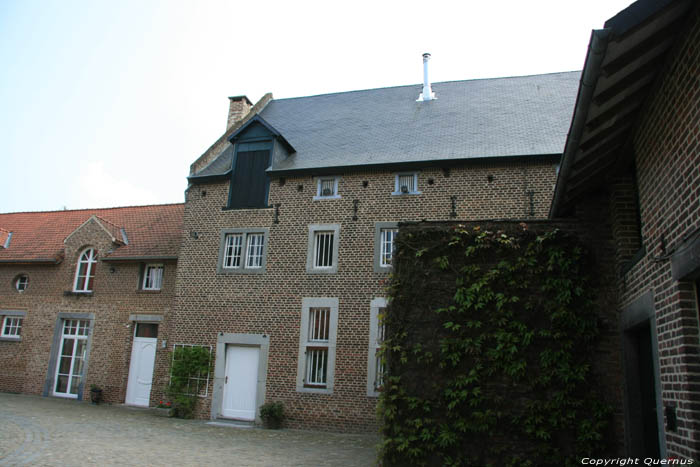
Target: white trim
pixel 375 305
pixel 304 341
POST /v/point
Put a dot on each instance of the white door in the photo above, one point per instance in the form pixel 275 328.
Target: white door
pixel 143 356
pixel 241 382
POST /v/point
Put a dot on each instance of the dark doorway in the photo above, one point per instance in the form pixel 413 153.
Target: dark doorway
pixel 642 426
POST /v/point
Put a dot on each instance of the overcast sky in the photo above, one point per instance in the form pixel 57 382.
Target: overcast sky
pixel 107 103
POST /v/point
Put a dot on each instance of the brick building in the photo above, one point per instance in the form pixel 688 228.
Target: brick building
pixel 633 152
pixel 290 218
pixel 85 298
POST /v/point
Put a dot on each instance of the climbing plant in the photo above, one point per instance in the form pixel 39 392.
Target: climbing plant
pixel 490 342
pixel 189 370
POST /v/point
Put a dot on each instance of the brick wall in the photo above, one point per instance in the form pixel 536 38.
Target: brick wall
pixel 208 303
pixel 24 364
pixel 667 158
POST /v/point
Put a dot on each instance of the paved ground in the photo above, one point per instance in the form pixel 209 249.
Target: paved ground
pixel 47 431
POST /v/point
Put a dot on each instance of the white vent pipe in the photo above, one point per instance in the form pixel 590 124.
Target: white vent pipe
pixel 427 93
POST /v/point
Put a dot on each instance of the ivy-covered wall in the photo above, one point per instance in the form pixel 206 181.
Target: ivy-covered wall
pixel 500 343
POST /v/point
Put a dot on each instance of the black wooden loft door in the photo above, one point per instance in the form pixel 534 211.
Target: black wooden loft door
pixel 249 181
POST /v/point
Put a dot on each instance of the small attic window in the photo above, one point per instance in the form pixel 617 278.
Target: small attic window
pixel 21 283
pixel 327 188
pixel 406 184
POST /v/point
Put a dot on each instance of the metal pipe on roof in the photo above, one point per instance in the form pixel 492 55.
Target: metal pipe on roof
pixel 597 48
pixel 427 93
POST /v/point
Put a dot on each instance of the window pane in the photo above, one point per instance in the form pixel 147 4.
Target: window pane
pixel 61 383
pixel 387 246
pixel 153 277
pixel 319 324
pixel 146 330
pixel 254 250
pixel 406 184
pixel 327 187
pixel 323 250
pixel 232 250
pixel 316 366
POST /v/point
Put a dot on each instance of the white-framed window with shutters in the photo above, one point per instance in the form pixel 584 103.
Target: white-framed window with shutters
pixel 152 277
pixel 243 251
pixel 327 188
pixel 384 245
pixel 406 183
pixel 85 271
pixel 375 361
pixel 322 250
pixel 11 322
pixel 317 340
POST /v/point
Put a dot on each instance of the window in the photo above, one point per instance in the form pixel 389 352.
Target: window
pixel 197 383
pixel 243 251
pixel 153 277
pixel 11 326
pixel 71 360
pixel 322 253
pixel 21 283
pixel 375 362
pixel 85 272
pixel 384 245
pixel 406 184
pixel 319 322
pixel 327 188
pixel 249 182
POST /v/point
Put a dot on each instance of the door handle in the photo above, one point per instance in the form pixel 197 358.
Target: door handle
pixel 226 380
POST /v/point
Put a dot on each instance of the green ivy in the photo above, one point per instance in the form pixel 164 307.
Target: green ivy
pixel 490 340
pixel 188 370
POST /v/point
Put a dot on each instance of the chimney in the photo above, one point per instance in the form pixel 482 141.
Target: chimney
pixel 427 93
pixel 239 107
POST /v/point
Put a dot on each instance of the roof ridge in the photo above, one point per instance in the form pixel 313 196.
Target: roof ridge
pixel 421 84
pixel 94 209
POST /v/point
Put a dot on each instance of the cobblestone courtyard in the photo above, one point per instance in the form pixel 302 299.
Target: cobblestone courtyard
pixel 48 431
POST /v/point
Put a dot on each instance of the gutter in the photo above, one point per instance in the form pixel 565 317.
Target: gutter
pixel 597 49
pixel 399 166
pixel 26 261
pixel 139 258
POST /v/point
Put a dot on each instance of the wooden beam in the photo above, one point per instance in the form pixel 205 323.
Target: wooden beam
pixel 625 107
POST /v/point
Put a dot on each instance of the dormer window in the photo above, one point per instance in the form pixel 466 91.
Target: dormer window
pixel 327 188
pixel 85 271
pixel 406 184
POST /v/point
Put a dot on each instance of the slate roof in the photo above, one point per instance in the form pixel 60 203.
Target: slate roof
pixel 500 117
pixel 151 231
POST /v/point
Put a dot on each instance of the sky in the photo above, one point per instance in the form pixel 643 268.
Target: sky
pixel 106 103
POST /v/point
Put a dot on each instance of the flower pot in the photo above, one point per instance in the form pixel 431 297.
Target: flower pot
pixel 95 395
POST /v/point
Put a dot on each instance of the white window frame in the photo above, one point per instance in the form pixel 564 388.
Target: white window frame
pixel 91 261
pixel 305 342
pixel 152 266
pixel 319 182
pixel 376 333
pixel 12 315
pixel 17 282
pixel 397 188
pixel 311 267
pixel 76 330
pixel 246 248
pixel 378 228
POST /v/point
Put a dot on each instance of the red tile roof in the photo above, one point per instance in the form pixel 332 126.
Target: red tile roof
pixel 151 231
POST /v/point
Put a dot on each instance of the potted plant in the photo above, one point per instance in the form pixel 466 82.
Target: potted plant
pixel 272 414
pixel 95 394
pixel 164 409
